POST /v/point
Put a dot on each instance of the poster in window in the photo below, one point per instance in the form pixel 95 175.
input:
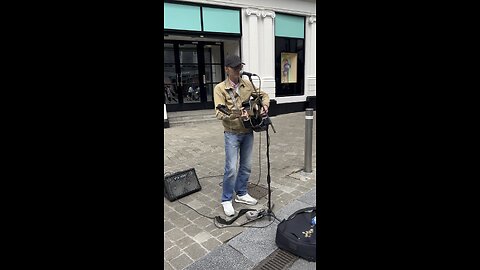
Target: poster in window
pixel 289 67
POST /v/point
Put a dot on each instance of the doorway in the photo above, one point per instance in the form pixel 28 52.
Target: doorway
pixel 191 71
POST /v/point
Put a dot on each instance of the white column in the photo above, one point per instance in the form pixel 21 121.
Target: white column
pixel 268 54
pixel 313 21
pixel 252 44
pixel 310 53
pixel 258 47
pixel 261 44
pixel 245 51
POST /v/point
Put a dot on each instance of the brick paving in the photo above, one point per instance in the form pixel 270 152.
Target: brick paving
pixel 188 236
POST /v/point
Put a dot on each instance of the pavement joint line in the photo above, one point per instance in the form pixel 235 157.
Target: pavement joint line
pixel 180 254
pixel 191 257
pixel 194 244
pixel 295 171
pixel 240 253
pixel 169 248
pixel 187 246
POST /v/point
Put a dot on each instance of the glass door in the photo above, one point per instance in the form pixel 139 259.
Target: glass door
pixel 191 71
pixel 213 68
pixel 170 78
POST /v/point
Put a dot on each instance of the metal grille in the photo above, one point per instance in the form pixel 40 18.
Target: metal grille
pixel 278 260
pixel 257 192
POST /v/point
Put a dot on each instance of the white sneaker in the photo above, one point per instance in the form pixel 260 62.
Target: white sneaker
pixel 246 199
pixel 228 208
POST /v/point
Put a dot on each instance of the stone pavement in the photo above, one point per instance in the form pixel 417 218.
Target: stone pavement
pixel 192 241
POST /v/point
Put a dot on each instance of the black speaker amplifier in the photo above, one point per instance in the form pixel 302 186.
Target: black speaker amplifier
pixel 181 184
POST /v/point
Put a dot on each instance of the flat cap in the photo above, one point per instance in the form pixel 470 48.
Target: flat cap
pixel 233 61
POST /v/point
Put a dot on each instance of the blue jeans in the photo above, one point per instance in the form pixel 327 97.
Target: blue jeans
pixel 237 147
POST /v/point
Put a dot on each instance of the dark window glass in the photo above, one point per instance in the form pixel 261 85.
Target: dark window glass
pixel 289 45
pixel 168 53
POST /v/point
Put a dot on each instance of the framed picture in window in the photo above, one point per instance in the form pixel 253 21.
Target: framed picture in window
pixel 288 67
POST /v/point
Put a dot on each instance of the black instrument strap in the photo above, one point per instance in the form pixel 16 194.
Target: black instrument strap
pixel 232 95
pixel 241 213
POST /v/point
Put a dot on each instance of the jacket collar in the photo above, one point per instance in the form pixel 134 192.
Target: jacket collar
pixel 228 85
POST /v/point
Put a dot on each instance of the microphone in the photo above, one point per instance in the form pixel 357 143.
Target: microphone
pixel 247 73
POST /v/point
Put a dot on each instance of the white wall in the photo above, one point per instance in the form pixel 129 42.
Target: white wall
pixel 258 46
pixel 311 56
pixel 231 47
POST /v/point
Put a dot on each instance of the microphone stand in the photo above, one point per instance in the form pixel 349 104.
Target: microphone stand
pixel 270 207
pixel 269 211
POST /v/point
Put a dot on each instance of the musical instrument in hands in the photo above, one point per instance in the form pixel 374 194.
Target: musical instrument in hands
pixel 256 121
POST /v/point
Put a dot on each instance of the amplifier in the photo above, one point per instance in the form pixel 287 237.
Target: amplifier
pixel 181 184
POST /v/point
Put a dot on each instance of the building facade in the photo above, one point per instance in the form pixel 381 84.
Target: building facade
pixel 276 40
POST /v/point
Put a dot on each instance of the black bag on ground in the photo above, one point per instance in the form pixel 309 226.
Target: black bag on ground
pixel 297 234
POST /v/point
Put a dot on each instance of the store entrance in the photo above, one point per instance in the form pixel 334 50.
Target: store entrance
pixel 191 71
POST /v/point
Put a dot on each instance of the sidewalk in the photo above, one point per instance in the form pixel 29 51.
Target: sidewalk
pixel 194 242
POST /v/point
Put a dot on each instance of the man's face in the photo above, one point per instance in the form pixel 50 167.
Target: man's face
pixel 233 72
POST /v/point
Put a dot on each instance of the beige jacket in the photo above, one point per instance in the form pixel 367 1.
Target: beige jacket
pixel 221 95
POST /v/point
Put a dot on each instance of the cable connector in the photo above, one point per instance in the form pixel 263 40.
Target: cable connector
pixel 251 215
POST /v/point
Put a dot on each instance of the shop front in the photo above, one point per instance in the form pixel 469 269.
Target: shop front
pixel 276 40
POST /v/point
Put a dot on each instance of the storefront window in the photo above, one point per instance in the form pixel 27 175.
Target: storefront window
pixel 289 55
pixel 289 66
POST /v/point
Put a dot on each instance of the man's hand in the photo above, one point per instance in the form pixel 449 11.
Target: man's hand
pixel 264 110
pixel 245 115
pixel 239 113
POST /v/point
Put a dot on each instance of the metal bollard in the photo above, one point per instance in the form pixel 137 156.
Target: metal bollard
pixel 308 139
